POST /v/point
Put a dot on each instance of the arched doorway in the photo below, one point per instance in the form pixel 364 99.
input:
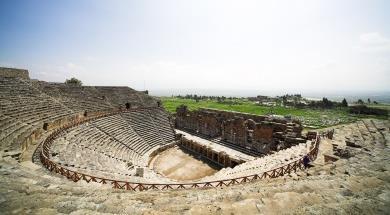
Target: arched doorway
pixel 127 105
pixel 45 126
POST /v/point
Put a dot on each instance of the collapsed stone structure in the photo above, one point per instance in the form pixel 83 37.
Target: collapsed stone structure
pixel 258 133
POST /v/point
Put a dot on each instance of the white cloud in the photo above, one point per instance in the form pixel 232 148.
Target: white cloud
pixel 374 42
pixel 73 66
pixel 321 45
pixel 74 69
pixel 374 38
pixel 90 59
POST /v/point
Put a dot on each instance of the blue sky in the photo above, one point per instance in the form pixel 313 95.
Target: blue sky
pixel 284 46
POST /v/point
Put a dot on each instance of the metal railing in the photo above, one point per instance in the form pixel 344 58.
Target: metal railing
pixel 135 186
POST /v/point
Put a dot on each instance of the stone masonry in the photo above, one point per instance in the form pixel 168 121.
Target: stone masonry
pixel 14 73
pixel 258 133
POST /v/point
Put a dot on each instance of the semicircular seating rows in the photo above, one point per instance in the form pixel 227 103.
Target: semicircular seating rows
pixel 111 141
pixel 27 105
pixel 285 168
pixel 115 145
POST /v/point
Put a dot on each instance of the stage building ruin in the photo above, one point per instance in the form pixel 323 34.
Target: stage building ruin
pixel 257 133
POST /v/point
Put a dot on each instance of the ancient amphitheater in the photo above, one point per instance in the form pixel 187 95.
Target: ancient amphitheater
pixel 89 149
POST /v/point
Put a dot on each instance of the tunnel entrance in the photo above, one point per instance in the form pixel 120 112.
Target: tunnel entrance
pixel 45 126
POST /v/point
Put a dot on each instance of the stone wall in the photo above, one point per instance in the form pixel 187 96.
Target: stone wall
pixel 263 139
pixel 232 114
pixel 204 123
pixel 249 134
pixel 209 125
pixel 14 73
pixel 233 130
pixel 219 158
pixel 102 97
pixel 258 133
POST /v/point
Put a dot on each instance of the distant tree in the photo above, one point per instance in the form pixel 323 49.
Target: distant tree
pixel 375 102
pixel 369 101
pixel 312 104
pixel 360 102
pixel 73 81
pixel 344 103
pixel 326 103
pixel 284 99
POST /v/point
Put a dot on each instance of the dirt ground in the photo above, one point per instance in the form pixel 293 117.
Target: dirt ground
pixel 181 166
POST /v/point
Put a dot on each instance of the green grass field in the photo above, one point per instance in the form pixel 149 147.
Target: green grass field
pixel 311 118
pixel 382 106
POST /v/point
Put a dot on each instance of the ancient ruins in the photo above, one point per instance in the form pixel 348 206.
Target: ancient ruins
pixel 62 142
pixel 113 133
pixel 256 133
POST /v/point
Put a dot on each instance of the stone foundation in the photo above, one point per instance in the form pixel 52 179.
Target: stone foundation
pixel 220 158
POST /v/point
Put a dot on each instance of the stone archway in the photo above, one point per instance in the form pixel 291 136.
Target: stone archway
pixel 250 124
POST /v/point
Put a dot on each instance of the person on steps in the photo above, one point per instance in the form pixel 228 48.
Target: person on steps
pixel 306 161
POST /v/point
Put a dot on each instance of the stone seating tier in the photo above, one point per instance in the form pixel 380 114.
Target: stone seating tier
pixel 145 127
pixel 26 105
pixel 262 164
pixel 127 138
